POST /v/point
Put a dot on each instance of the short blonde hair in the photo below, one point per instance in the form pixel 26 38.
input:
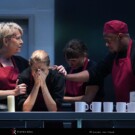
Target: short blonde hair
pixel 39 56
pixel 7 29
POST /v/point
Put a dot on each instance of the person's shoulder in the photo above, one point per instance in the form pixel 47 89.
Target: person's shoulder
pixel 109 56
pixel 27 70
pixel 25 76
pixel 55 73
pixel 21 63
pixel 25 73
pixel 20 58
pixel 91 63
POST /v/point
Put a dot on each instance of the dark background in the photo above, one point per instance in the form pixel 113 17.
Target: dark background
pixel 84 19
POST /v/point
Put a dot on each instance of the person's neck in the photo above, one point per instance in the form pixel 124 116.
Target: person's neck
pixel 127 41
pixel 5 60
pixel 5 57
pixel 5 54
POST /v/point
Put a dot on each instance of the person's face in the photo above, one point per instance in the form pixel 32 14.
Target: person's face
pixel 14 43
pixel 75 62
pixel 39 66
pixel 112 42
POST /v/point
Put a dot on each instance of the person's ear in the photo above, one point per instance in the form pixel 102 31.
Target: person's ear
pixel 120 35
pixel 5 41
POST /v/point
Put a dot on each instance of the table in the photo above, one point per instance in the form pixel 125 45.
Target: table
pixel 78 116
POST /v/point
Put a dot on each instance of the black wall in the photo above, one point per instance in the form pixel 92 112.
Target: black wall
pixel 84 19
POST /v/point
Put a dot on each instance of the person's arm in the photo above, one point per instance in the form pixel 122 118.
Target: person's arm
pixel 88 97
pixel 25 102
pixel 31 98
pixel 73 99
pixel 5 93
pixel 61 69
pixel 90 93
pixel 48 99
pixel 78 77
pixel 101 70
pixel 57 86
pixel 19 89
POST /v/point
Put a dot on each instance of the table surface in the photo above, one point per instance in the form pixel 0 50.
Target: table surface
pixel 66 116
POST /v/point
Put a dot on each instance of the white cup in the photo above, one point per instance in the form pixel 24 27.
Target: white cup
pixel 132 96
pixel 108 106
pixel 81 106
pixel 131 107
pixel 95 106
pixel 121 107
pixel 11 103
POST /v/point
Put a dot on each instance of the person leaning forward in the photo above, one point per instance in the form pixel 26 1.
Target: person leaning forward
pixel 120 61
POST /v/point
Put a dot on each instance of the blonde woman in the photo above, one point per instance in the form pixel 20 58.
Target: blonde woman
pixel 10 65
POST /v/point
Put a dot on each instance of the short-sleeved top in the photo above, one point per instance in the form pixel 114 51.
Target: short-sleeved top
pixel 55 83
pixel 90 65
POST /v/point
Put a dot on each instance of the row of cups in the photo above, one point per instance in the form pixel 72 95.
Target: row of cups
pixel 105 107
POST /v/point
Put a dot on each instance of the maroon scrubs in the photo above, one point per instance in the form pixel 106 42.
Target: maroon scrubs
pixel 123 77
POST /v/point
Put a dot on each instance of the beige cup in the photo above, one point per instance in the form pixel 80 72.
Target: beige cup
pixel 108 106
pixel 95 106
pixel 81 107
pixel 121 107
pixel 11 103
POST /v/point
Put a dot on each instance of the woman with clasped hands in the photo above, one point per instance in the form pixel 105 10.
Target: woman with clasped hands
pixel 45 87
